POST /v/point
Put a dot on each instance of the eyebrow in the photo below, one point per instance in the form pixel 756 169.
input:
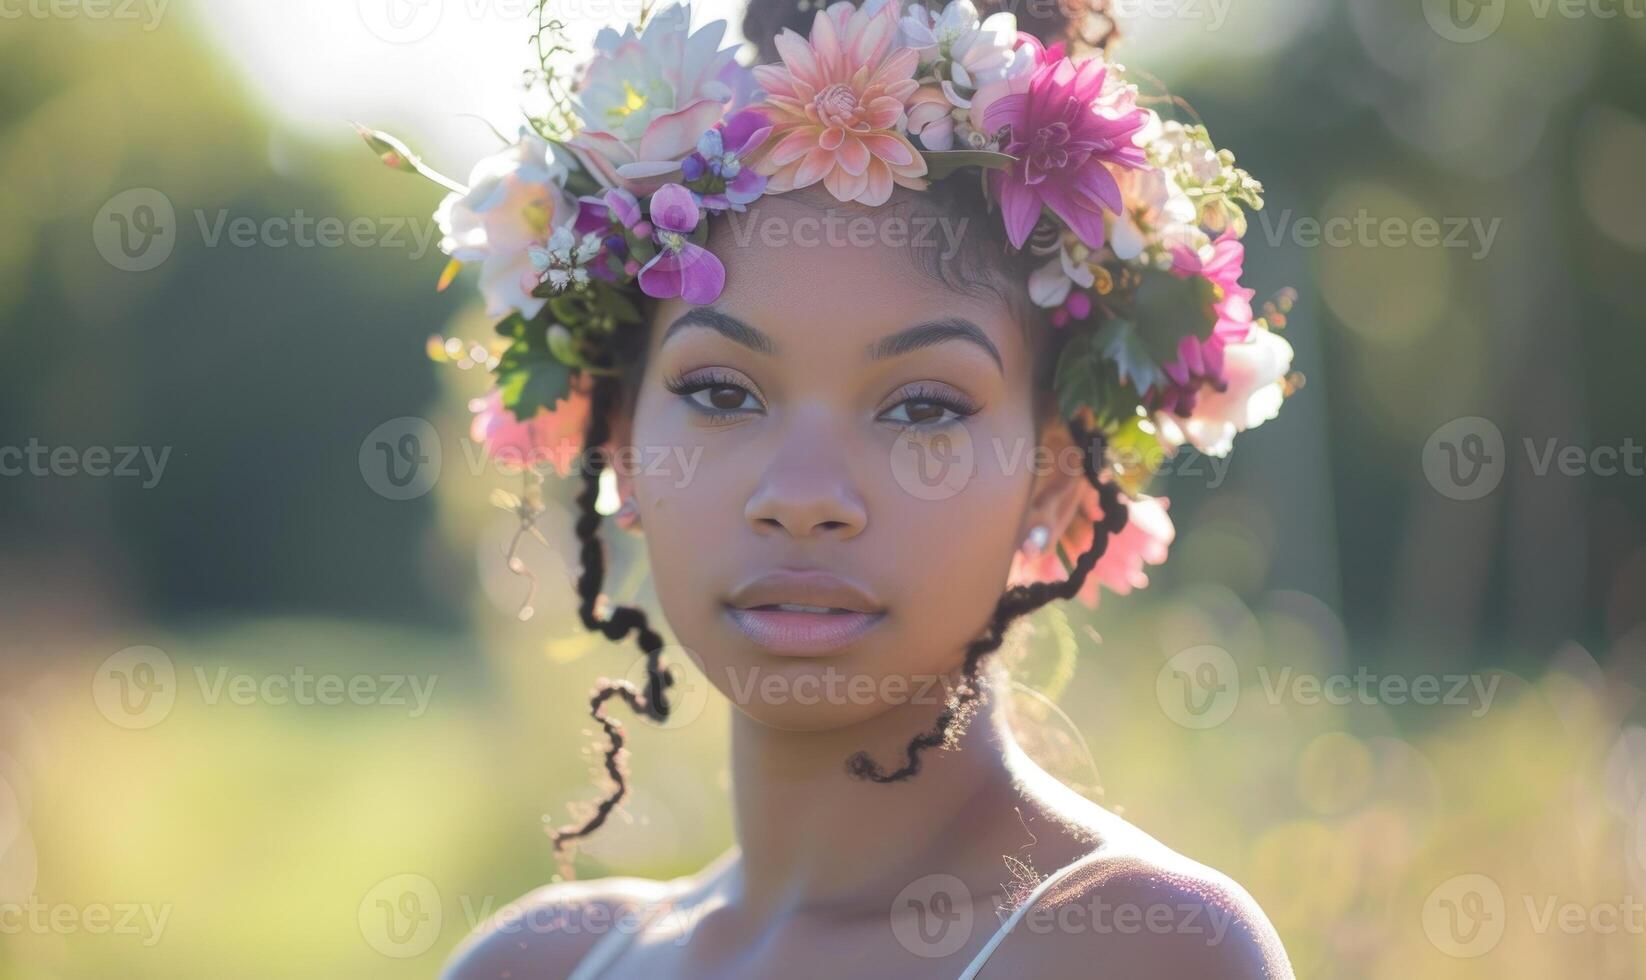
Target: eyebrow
pixel 912 338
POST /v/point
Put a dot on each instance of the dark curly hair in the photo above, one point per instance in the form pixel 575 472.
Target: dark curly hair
pixel 985 263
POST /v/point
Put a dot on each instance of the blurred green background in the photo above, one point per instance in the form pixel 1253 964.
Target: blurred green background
pixel 219 830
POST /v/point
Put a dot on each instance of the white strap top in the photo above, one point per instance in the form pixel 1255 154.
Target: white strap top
pixel 613 943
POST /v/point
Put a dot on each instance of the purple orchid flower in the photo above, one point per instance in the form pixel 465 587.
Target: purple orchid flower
pixel 721 151
pixel 680 267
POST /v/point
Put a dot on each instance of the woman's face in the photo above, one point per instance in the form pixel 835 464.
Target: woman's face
pixel 835 414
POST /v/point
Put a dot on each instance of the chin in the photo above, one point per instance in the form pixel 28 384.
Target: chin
pixel 811 695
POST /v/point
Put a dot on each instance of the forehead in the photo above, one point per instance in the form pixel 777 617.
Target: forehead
pixel 803 257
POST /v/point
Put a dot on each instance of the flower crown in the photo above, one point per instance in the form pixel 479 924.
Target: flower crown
pixel 609 193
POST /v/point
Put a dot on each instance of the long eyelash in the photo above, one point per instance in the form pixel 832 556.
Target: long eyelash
pixel 687 385
pixel 964 408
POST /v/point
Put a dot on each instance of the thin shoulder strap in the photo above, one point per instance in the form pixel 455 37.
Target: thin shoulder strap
pixel 1017 914
pixel 612 945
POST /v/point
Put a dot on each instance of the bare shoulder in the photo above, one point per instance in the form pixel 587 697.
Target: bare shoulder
pixel 545 932
pixel 1143 910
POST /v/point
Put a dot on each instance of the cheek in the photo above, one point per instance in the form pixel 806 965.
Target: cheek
pixel 953 505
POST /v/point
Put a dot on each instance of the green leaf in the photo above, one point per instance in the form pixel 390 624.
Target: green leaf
pixel 1078 376
pixel 1119 342
pixel 618 303
pixel 1166 308
pixel 942 163
pixel 528 374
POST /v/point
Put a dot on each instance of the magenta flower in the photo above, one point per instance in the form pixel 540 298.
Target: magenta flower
pixel 1065 131
pixel 1200 360
pixel 681 267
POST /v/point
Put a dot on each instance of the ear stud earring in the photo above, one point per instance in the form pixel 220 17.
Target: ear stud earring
pixel 1039 537
pixel 627 516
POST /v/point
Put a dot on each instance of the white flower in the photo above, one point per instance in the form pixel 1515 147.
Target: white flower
pixel 964 53
pixel 1256 370
pixel 1050 284
pixel 514 197
pixel 562 261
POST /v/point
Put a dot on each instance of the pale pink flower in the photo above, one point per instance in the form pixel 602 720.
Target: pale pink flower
pixel 1254 376
pixel 1143 541
pixel 647 96
pixel 551 438
pixel 838 103
pixel 514 199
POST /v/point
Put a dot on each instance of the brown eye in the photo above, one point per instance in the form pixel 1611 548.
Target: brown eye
pixel 726 397
pixel 931 409
pixel 922 412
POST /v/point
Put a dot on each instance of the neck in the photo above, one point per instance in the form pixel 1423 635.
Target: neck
pixel 812 835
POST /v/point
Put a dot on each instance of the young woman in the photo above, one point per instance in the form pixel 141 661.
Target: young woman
pixel 897 448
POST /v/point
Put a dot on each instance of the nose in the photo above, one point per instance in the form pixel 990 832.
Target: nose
pixel 807 490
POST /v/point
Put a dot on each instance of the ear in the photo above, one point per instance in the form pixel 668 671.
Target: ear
pixel 1059 482
pixel 622 430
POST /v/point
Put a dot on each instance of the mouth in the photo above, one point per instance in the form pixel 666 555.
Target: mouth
pixel 803 611
pixel 801 630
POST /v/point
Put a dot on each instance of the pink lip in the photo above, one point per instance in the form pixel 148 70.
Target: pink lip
pixel 802 634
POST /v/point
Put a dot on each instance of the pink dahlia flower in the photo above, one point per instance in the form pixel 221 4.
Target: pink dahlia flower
pixel 1066 130
pixel 837 104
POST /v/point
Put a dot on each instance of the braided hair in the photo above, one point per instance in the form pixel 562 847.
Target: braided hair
pixel 1083 25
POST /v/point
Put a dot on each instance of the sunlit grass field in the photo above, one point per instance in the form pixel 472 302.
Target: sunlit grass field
pixel 250 837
